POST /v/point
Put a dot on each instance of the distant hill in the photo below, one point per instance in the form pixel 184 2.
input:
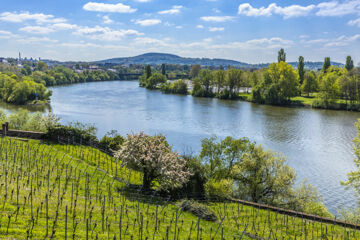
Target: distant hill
pixel 160 58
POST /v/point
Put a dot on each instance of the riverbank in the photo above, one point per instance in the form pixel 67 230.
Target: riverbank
pixel 312 102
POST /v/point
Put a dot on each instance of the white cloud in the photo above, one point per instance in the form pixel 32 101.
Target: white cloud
pixel 217 18
pixel 287 12
pixel 200 26
pixel 332 42
pixel 355 22
pixel 149 41
pixel 63 26
pixel 39 18
pixel 216 29
pixel 148 22
pixel 143 1
pixel 37 30
pixel 49 28
pixel 105 33
pixel 335 8
pixel 7 35
pixel 107 20
pixel 37 40
pixel 104 7
pixel 328 9
pixel 173 10
pixel 179 27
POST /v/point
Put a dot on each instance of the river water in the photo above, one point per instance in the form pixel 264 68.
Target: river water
pixel 317 143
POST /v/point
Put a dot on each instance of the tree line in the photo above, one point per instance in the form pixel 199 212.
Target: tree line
pixel 278 84
pixel 28 84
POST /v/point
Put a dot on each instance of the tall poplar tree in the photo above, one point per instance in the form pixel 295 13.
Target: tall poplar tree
pixel 148 71
pixel 281 56
pixel 163 69
pixel 349 63
pixel 301 69
pixel 326 64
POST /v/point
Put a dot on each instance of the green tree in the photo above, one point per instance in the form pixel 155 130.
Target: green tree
pixel 306 198
pixel 281 55
pixel 163 69
pixel 220 157
pixel 195 70
pixel 233 82
pixel 353 180
pixel 262 176
pixel 203 84
pixel 301 69
pixel 147 71
pixel 280 83
pixel 154 80
pixel 348 84
pixel 219 80
pixel 349 65
pixel 329 87
pixel 41 66
pixel 178 87
pixel 26 70
pixel 310 83
pixel 326 64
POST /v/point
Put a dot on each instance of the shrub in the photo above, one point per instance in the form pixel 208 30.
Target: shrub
pixel 198 210
pixel 74 132
pixel 219 190
pixel 194 188
pixel 111 142
pixel 178 87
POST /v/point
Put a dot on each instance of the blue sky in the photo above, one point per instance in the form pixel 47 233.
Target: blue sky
pixel 248 31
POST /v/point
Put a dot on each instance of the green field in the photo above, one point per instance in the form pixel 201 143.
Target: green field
pixel 53 191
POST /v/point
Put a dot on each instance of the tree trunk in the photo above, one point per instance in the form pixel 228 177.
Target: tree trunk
pixel 146 187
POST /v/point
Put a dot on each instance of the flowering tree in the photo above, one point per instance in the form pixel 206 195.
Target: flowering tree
pixel 152 155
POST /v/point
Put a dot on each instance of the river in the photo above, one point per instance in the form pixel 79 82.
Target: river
pixel 317 143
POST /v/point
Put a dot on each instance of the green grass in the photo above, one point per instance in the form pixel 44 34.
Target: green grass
pixel 90 185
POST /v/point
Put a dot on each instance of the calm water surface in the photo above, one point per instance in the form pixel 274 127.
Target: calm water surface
pixel 317 143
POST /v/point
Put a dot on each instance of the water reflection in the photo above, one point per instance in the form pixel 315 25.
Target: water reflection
pixel 30 108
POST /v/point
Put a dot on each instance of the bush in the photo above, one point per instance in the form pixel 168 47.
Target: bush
pixel 178 87
pixel 219 190
pixel 322 104
pixel 198 210
pixel 153 81
pixel 194 188
pixel 111 142
pixel 75 132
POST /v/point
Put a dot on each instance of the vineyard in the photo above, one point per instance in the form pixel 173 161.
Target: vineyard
pixel 58 191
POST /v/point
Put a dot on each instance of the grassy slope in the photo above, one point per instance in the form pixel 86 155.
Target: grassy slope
pixel 86 182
